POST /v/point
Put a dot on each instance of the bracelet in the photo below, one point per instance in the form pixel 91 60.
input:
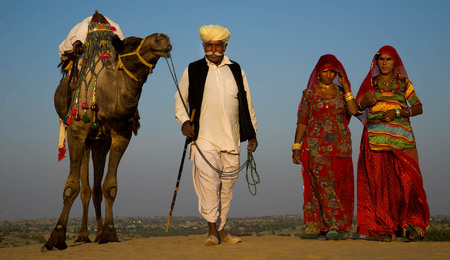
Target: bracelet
pixel 397 112
pixel 296 146
pixel 360 108
pixel 409 111
pixel 348 96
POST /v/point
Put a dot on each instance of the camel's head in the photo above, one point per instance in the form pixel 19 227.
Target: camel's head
pixel 159 44
pixel 135 53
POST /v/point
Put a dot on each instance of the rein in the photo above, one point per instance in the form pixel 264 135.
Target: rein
pixel 121 66
pixel 248 164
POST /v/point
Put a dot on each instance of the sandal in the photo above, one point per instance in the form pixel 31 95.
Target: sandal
pixel 385 238
pixel 322 238
pixel 412 235
pixel 332 235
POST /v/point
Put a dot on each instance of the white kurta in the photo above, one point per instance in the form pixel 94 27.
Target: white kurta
pixel 219 119
pixel 79 32
pixel 218 139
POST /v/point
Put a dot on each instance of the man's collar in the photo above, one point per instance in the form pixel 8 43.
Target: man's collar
pixel 225 61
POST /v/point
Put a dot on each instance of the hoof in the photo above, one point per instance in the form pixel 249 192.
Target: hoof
pixel 46 248
pixel 57 240
pixel 108 235
pixel 82 240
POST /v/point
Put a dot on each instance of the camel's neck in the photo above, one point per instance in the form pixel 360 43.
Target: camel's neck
pixel 129 92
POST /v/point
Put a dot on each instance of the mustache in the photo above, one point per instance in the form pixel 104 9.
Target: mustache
pixel 209 53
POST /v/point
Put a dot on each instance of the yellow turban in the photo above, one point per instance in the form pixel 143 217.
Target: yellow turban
pixel 214 33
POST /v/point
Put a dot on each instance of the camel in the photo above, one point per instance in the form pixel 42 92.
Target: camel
pixel 116 95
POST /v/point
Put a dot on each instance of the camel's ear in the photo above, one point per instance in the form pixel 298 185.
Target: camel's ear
pixel 117 43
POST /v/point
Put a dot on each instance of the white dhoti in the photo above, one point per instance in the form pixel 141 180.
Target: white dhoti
pixel 214 191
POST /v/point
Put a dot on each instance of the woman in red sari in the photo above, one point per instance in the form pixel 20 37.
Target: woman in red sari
pixel 391 198
pixel 323 147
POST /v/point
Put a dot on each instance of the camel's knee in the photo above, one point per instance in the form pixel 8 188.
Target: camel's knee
pixel 110 192
pixel 71 192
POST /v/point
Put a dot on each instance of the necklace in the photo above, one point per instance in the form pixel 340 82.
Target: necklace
pixel 385 88
pixel 388 84
pixel 323 85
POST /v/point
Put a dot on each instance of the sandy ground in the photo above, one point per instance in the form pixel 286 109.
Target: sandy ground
pixel 254 247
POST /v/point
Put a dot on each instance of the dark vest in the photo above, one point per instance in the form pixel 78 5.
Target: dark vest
pixel 198 71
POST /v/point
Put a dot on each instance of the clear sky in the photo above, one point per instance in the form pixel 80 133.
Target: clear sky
pixel 277 43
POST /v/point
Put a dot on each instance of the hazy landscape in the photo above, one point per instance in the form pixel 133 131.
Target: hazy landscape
pixel 16 233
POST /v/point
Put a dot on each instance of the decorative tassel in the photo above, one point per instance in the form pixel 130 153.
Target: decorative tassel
pixel 61 153
pixel 64 121
pixel 67 120
pixel 77 117
pixel 61 141
pixel 73 111
pixel 133 128
pixel 94 125
pixel 85 118
pixel 94 107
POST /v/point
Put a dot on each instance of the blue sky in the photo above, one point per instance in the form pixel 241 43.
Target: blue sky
pixel 277 43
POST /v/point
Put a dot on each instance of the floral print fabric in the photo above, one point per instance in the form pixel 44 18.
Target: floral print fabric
pixel 328 174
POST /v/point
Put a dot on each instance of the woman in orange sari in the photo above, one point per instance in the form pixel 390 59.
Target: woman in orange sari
pixel 323 146
pixel 390 194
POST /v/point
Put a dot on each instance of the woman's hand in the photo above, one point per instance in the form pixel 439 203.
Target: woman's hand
pixel 368 100
pixel 296 156
pixel 388 116
pixel 343 81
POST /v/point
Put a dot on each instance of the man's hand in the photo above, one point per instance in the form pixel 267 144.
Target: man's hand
pixel 188 129
pixel 252 144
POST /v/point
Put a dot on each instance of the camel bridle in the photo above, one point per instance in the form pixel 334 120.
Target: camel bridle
pixel 121 66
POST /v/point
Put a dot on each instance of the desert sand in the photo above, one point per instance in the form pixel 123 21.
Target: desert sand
pixel 252 247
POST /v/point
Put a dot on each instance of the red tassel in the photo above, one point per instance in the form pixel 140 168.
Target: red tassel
pixel 61 152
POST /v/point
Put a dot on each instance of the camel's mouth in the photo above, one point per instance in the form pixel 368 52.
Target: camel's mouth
pixel 166 54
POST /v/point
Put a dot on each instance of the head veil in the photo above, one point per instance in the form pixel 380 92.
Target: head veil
pixel 328 62
pixel 399 70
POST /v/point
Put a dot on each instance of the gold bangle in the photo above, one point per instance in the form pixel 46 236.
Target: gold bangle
pixel 296 146
pixel 349 97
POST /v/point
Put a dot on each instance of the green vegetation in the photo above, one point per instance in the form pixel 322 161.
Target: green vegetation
pixel 437 234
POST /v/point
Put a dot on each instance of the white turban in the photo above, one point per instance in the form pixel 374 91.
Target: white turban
pixel 214 33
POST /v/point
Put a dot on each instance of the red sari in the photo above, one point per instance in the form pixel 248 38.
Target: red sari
pixel 390 193
pixel 328 188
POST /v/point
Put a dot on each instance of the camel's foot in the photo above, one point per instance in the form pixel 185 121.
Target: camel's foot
pixel 98 236
pixel 83 238
pixel 57 239
pixel 108 235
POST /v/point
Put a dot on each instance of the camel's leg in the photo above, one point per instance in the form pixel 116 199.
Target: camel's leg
pixel 85 195
pixel 100 149
pixel 76 143
pixel 119 144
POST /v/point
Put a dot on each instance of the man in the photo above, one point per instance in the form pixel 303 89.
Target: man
pixel 218 97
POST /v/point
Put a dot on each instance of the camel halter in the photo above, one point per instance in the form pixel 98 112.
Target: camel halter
pixel 121 66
